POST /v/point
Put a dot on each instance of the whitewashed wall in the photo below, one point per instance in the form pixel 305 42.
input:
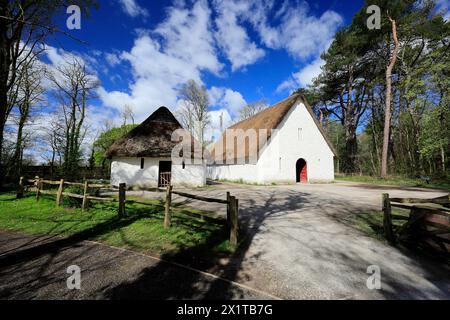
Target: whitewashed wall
pixel 277 162
pixel 248 172
pixel 297 137
pixel 128 170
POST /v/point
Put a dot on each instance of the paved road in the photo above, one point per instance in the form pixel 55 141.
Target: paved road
pixel 301 246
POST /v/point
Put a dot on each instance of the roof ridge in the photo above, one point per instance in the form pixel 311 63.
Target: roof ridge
pixel 297 95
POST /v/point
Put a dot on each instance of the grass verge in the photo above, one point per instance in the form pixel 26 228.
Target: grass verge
pixel 371 222
pixel 398 181
pixel 141 230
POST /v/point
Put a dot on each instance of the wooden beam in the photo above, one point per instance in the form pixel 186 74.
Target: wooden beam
pixel 167 212
pixel 101 199
pixel 47 192
pixel 387 219
pixel 20 189
pixel 228 209
pixel 234 212
pixel 38 185
pixel 192 196
pixel 73 195
pixel 59 194
pixel 50 182
pixel 85 203
pixel 122 199
pixel 438 200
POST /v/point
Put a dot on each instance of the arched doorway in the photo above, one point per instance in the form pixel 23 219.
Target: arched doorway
pixel 301 171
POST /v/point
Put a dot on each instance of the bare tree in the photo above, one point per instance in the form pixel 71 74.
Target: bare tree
pixel 127 114
pixel 194 114
pixel 251 109
pixel 24 26
pixel 74 86
pixel 29 94
pixel 388 112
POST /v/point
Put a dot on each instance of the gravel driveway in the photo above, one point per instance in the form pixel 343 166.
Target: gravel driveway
pixel 301 247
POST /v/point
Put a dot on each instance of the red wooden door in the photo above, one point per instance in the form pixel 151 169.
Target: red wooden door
pixel 304 174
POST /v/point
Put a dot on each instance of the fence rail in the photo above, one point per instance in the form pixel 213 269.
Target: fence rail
pixel 38 185
pixel 232 210
pixel 428 221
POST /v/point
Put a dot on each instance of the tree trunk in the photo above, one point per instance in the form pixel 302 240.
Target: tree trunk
pixel 351 148
pixel 388 112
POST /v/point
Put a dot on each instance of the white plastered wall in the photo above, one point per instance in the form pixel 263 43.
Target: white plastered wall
pixel 128 170
pixel 296 137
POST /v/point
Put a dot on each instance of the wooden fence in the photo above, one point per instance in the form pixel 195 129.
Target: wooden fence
pixel 232 210
pixel 38 184
pixel 38 187
pixel 428 221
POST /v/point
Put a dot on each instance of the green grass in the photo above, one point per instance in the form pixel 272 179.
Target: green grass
pixel 371 222
pixel 399 181
pixel 142 229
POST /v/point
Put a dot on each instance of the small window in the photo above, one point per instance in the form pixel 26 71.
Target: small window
pixel 183 165
pixel 142 163
pixel 279 164
pixel 300 134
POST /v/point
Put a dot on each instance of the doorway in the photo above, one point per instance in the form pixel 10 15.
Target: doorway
pixel 301 171
pixel 165 173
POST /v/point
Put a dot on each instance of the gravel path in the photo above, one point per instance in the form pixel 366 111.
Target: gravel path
pixel 36 268
pixel 300 246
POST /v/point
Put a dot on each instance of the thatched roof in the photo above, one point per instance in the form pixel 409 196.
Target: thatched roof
pixel 267 119
pixel 152 138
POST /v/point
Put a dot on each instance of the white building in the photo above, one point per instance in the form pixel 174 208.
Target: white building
pixel 296 148
pixel 143 157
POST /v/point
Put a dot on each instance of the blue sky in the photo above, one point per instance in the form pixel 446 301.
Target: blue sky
pixel 242 51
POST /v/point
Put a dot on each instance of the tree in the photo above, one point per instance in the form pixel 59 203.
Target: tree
pixel 387 112
pixel 24 26
pixel 344 87
pixel 127 114
pixel 194 114
pixel 74 86
pixel 29 93
pixel 106 139
pixel 251 109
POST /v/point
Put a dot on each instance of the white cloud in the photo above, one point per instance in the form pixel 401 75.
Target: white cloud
pixel 177 50
pixel 303 35
pixel 232 37
pixel 226 98
pixel 113 59
pixel 132 8
pixel 291 27
pixel 302 78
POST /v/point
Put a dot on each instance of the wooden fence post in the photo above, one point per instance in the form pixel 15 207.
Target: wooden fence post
pixel 59 194
pixel 122 187
pixel 387 219
pixel 167 213
pixel 20 189
pixel 37 183
pixel 234 211
pixel 228 208
pixel 85 195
